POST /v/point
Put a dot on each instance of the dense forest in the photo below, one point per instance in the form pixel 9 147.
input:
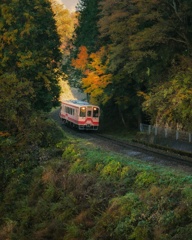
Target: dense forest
pixel 29 72
pixel 133 59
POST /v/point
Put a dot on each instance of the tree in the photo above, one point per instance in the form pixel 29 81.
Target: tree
pixel 15 102
pixel 65 22
pixel 170 103
pixel 145 38
pixel 85 34
pixel 29 49
pixel 169 97
pixel 30 56
pixel 115 29
pixel 87 30
pixel 96 77
pixel 82 59
pixel 147 42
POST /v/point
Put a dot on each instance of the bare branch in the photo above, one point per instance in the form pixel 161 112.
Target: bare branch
pixel 178 40
pixel 174 6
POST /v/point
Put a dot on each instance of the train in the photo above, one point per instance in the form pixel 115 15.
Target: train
pixel 80 114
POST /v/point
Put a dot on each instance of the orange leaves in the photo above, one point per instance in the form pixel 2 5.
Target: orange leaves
pixel 94 68
pixel 4 134
pixel 97 79
pixel 94 82
pixel 97 62
pixel 81 61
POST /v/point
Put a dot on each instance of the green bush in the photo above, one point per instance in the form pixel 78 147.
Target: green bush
pixel 111 170
pixel 144 179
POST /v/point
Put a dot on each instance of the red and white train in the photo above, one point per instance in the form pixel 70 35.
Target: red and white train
pixel 80 114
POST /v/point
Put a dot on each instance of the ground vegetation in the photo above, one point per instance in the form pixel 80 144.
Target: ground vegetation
pixel 84 192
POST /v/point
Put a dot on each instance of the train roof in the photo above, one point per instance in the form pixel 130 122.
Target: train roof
pixel 77 102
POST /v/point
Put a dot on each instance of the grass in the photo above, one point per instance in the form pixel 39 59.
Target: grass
pixel 87 193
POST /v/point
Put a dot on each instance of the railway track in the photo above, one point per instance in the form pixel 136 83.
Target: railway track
pixel 150 151
pixel 136 150
pixel 133 149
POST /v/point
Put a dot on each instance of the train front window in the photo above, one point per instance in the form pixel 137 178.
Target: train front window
pixel 82 112
pixel 95 112
pixel 89 113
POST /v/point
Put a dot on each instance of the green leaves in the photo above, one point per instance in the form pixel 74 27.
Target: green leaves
pixel 15 97
pixel 29 52
pixel 171 102
pixel 29 44
pixel 149 45
pixel 87 30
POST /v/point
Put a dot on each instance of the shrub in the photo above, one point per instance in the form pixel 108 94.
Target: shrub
pixel 111 170
pixel 144 179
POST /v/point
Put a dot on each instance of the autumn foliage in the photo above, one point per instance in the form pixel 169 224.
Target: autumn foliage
pixel 94 68
pixel 149 50
pixel 82 59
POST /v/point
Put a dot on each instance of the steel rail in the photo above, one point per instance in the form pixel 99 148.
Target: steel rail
pixel 167 155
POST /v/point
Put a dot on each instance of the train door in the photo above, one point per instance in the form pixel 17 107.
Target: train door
pixel 89 111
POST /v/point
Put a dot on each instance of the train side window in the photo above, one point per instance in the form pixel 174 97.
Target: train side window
pixel 95 112
pixel 82 112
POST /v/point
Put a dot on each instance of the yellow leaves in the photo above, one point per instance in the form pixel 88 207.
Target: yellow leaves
pixel 25 59
pixel 97 61
pixel 64 21
pixel 97 79
pixel 28 24
pixel 10 37
pixel 142 94
pixel 26 30
pixel 6 12
pixel 95 84
pixel 94 67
